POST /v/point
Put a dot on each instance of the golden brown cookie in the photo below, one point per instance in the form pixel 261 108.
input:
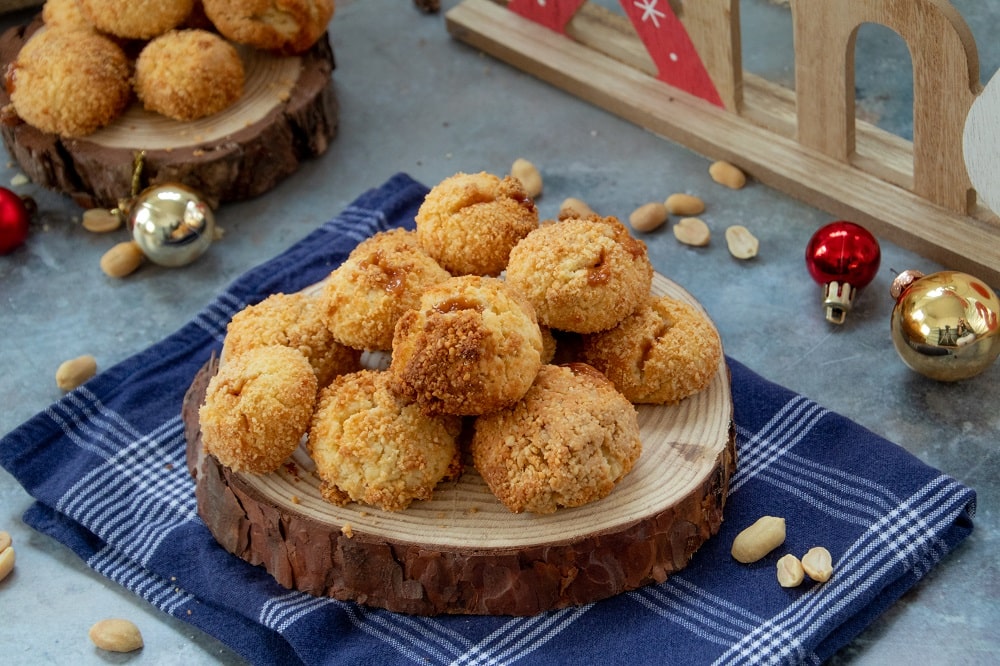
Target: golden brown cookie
pixel 381 279
pixel 469 222
pixel 65 14
pixel 284 26
pixel 136 19
pixel 257 409
pixel 69 82
pixel 568 442
pixel 472 347
pixel 371 447
pixel 582 275
pixel 291 320
pixel 188 74
pixel 664 352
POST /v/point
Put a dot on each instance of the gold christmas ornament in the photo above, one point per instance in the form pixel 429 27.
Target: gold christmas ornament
pixel 946 325
pixel 171 223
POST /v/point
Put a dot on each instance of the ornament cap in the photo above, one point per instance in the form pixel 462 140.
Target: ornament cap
pixel 902 281
pixel 838 297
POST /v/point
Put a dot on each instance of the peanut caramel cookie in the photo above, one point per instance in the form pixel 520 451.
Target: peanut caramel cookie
pixel 290 320
pixel 473 346
pixel 581 275
pixel 381 279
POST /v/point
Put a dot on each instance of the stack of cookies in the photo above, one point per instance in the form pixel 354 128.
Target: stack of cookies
pixel 516 346
pixel 91 58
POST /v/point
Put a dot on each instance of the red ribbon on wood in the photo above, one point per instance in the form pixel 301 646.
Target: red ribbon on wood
pixel 668 43
pixel 664 36
pixel 553 14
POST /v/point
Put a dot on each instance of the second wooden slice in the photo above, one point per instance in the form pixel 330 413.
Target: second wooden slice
pixel 287 114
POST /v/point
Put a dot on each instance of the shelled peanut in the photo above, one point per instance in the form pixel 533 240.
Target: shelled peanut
pixel 122 259
pixel 759 539
pixel 818 564
pixel 727 174
pixel 116 635
pixel 648 217
pixel 692 231
pixel 572 207
pixel 685 205
pixel 6 555
pixel 75 371
pixel 528 174
pixel 742 244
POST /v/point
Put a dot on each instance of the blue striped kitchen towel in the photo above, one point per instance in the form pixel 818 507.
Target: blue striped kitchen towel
pixel 106 465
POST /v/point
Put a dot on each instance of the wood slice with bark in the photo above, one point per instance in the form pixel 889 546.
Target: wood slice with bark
pixel 463 551
pixel 287 114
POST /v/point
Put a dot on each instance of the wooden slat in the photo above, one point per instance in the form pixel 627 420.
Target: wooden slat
pixel 957 241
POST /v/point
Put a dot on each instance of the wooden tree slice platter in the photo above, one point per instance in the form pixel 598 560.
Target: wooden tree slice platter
pixel 287 114
pixel 463 551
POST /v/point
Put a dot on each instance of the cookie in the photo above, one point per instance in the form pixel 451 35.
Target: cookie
pixel 69 82
pixel 65 14
pixel 383 277
pixel 664 352
pixel 288 27
pixel 188 74
pixel 472 347
pixel 371 447
pixel 135 19
pixel 581 275
pixel 257 409
pixel 470 222
pixel 295 321
pixel 567 443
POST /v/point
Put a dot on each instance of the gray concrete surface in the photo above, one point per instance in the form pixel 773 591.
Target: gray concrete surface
pixel 415 100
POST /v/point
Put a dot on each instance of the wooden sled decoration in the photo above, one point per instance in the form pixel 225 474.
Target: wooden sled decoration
pixel 806 142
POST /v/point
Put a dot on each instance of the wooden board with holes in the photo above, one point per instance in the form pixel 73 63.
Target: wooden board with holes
pixel 914 194
pixel 288 114
pixel 464 552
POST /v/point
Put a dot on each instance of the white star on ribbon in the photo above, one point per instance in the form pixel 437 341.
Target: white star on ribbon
pixel 649 11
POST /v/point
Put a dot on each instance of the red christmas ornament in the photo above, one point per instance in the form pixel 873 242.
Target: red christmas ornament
pixel 14 217
pixel 843 257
